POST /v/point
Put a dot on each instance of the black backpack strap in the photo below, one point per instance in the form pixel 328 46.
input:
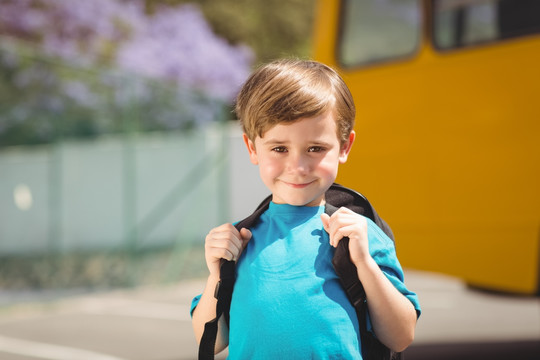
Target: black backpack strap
pixel 346 270
pixel 224 290
pixel 223 294
pixel 252 219
pixel 372 348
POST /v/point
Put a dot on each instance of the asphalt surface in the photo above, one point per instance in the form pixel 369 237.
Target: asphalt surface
pixel 154 324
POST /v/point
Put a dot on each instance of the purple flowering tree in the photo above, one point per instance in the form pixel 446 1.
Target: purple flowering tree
pixel 62 64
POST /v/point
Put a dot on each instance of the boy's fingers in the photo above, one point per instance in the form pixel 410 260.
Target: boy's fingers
pixel 227 230
pixel 245 235
pixel 337 225
pixel 222 253
pixel 226 242
pixel 221 249
pixel 331 230
pixel 326 222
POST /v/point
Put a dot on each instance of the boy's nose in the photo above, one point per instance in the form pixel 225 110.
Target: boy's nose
pixel 298 164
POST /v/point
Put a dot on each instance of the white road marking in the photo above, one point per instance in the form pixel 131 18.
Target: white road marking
pixel 49 351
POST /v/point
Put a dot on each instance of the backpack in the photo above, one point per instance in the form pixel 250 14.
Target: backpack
pixel 336 197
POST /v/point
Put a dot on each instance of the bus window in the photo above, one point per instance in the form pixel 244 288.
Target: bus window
pixel 378 30
pixel 459 23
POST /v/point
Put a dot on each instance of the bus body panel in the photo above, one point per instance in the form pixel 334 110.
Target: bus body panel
pixel 448 151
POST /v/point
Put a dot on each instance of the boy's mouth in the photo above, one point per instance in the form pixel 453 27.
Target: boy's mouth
pixel 298 185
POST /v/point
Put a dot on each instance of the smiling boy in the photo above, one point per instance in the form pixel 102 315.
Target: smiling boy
pixel 298 119
pixel 299 161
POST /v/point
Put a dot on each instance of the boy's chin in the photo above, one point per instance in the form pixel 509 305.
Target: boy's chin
pixel 306 201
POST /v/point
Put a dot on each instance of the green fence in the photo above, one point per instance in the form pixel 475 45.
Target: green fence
pixel 106 179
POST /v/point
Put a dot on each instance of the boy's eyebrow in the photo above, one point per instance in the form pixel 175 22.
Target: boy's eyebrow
pixel 320 142
pixel 316 142
pixel 274 141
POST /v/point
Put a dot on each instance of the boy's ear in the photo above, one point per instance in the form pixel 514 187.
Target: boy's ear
pixel 251 149
pixel 346 148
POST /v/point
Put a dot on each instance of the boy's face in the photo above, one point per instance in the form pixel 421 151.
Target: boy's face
pixel 299 161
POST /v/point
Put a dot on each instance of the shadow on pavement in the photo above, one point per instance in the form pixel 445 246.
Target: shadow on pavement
pixel 522 350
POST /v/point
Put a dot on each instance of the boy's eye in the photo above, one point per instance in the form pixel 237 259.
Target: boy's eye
pixel 315 149
pixel 280 149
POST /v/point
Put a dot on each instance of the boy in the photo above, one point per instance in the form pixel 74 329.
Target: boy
pixel 298 119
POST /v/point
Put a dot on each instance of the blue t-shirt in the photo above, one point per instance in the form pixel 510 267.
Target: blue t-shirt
pixel 287 300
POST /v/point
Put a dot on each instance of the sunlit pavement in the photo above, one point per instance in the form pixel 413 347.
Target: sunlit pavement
pixel 462 323
pixel 153 323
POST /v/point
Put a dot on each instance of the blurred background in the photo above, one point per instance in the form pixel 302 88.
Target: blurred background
pixel 119 150
pixel 114 131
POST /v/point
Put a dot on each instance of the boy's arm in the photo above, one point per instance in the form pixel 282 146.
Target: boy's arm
pixel 206 311
pixel 393 316
pixel 223 242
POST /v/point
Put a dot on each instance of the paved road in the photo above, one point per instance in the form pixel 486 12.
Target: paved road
pixel 154 324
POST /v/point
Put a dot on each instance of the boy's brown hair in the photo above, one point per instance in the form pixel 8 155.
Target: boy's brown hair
pixel 287 90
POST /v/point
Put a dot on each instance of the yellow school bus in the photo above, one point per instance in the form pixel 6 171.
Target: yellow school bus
pixel 448 129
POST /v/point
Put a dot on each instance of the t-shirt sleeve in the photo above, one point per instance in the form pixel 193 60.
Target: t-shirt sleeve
pixel 383 251
pixel 194 304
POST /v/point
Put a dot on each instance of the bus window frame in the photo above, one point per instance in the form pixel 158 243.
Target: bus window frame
pixel 343 5
pixel 473 45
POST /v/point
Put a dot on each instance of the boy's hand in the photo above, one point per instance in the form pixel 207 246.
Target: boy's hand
pixel 224 242
pixel 346 223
